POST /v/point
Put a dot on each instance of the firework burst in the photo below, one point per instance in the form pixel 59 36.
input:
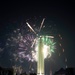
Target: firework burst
pixel 22 43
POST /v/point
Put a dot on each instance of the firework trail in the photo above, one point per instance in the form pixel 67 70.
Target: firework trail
pixel 41 24
pixel 30 27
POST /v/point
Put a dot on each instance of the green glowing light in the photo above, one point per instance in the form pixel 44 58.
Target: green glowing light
pixel 49 42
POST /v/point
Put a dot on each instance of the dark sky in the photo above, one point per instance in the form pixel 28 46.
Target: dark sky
pixel 57 11
pixel 62 13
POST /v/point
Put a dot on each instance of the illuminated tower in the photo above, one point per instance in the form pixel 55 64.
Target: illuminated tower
pixel 40 59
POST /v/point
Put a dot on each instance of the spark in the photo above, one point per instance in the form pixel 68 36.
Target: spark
pixel 60 44
pixel 63 50
pixel 65 59
pixel 41 24
pixel 50 36
pixel 30 27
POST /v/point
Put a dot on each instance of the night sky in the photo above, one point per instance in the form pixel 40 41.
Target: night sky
pixel 62 14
